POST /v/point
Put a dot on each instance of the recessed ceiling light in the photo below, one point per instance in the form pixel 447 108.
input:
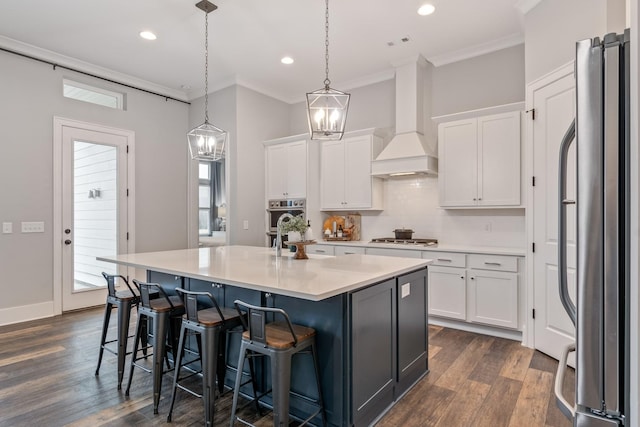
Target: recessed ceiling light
pixel 147 35
pixel 185 87
pixel 426 9
pixel 287 60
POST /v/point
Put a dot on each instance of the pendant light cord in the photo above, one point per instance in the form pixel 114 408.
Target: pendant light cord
pixel 206 67
pixel 327 82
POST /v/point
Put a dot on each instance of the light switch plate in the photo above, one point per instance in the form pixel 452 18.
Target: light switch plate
pixel 245 224
pixel 33 227
pixel 7 227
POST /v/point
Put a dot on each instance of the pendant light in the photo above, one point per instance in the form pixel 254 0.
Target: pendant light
pixel 327 108
pixel 207 142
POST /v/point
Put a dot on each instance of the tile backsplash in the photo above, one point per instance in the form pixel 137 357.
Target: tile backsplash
pixel 412 202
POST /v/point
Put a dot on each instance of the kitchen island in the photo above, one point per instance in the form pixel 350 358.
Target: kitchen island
pixel 370 314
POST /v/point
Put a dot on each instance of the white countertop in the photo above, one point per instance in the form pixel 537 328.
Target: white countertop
pixel 439 247
pixel 315 279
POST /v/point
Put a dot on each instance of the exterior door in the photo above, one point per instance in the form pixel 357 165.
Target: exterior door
pixel 94 210
pixel 554 102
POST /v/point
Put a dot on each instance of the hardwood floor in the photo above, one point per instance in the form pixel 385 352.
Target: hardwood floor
pixel 47 378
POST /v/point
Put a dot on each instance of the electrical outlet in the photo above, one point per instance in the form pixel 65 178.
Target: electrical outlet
pixel 33 227
pixel 7 227
pixel 245 224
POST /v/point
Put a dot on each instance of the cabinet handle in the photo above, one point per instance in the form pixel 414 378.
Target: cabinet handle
pixel 474 199
pixel 462 277
pixel 492 263
pixel 217 285
pixel 176 278
pixel 320 251
pixel 445 259
pixel 479 198
pixel 472 278
pixel 349 253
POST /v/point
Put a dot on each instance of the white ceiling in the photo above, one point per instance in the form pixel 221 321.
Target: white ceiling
pixel 249 37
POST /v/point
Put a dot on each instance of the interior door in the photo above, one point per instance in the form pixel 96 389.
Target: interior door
pixel 554 104
pixel 94 212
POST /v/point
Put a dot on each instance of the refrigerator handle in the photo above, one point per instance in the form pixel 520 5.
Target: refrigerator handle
pixel 568 138
pixel 564 406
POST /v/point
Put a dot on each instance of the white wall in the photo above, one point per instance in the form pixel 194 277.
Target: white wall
pixel 31 96
pixel 496 78
pixel 553 27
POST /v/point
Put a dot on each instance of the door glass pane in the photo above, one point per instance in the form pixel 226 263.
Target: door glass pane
pixel 95 209
pixel 204 199
pixel 203 170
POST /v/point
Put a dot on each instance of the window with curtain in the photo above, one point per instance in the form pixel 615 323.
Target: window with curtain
pixel 212 203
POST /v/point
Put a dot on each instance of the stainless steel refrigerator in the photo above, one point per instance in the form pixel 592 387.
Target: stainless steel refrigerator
pixel 601 313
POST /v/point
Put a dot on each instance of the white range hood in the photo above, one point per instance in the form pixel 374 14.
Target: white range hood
pixel 409 152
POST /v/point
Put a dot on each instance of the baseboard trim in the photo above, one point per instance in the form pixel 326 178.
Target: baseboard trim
pixel 25 313
pixel 479 329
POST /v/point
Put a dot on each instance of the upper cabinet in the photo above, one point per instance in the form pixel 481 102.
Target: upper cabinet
pixel 479 161
pixel 286 170
pixel 345 174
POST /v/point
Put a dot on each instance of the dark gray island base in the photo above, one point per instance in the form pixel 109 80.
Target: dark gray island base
pixel 372 343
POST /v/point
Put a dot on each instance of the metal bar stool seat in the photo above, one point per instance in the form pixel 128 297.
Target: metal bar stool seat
pixel 124 301
pixel 209 325
pixel 165 313
pixel 279 341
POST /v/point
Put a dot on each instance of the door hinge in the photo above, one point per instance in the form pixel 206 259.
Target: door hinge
pixel 533 313
pixel 533 181
pixel 533 113
pixel 127 235
pixel 127 192
pixel 127 149
pixel 533 247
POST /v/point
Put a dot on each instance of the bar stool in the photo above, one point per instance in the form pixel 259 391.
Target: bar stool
pixel 165 313
pixel 124 302
pixel 209 325
pixel 279 341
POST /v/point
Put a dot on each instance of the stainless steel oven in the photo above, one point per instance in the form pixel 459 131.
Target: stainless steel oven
pixel 275 208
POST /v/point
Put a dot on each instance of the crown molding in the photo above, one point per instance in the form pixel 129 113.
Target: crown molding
pixel 477 50
pixel 524 6
pixel 67 61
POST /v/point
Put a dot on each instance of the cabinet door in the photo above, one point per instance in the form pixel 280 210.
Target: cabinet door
pixel 332 177
pixel 458 163
pixel 357 181
pixel 373 337
pixel 276 171
pixel 499 160
pixel 405 253
pixel 296 177
pixel 447 292
pixel 347 250
pixel 412 329
pixel 493 298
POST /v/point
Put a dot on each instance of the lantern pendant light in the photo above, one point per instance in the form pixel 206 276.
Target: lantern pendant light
pixel 207 142
pixel 327 108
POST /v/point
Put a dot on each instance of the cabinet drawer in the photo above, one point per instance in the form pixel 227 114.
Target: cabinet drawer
pixel 320 249
pixel 347 250
pixel 445 259
pixel 405 253
pixel 493 262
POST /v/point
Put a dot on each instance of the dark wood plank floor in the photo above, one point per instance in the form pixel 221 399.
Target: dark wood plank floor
pixel 47 378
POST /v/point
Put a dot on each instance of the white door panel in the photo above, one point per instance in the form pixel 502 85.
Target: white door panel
pixel 554 103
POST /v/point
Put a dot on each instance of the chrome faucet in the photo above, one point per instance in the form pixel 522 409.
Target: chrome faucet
pixel 279 233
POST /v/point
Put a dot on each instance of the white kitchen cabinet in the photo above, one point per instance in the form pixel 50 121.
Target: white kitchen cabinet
pixel 493 298
pixel 405 253
pixel 286 170
pixel 447 292
pixel 475 288
pixel 479 161
pixel 348 250
pixel 345 174
pixel 320 249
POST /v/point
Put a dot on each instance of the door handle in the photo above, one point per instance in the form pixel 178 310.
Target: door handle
pixel 565 298
pixel 67 242
pixel 564 406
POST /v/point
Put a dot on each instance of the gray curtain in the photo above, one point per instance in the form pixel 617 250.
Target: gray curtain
pixel 218 196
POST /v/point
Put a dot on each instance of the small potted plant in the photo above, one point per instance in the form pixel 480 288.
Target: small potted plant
pixel 295 228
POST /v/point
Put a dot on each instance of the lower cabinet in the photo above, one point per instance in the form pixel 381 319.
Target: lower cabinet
pixel 480 289
pixel 389 343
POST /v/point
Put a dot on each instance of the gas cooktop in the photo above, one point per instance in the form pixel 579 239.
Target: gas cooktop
pixel 424 242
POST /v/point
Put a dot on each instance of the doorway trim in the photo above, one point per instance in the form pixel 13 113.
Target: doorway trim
pixel 58 124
